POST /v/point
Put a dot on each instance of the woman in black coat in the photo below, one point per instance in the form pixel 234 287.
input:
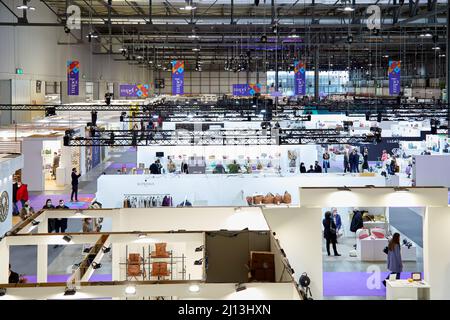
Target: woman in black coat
pixel 329 233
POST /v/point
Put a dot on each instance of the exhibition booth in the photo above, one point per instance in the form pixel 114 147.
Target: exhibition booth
pixel 227 253
pixel 9 164
pixel 142 190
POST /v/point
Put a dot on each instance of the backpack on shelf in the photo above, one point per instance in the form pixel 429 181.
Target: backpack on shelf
pixel 277 199
pixel 268 199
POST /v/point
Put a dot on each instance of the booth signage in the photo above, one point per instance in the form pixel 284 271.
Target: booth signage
pixel 177 77
pixel 394 77
pixel 4 206
pixel 300 78
pixel 134 90
pixel 73 72
pixel 246 89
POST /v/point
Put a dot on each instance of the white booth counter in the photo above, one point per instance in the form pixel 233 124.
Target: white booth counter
pixel 218 189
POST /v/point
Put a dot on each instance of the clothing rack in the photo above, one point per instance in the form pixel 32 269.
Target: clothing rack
pixel 147 200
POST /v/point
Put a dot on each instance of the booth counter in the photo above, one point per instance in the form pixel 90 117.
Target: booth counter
pixel 218 190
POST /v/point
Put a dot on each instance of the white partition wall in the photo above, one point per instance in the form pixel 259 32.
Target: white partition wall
pixel 432 170
pixel 218 190
pixel 299 232
pixel 436 251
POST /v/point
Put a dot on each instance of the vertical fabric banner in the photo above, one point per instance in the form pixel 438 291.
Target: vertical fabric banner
pixel 300 78
pixel 177 77
pixel 394 77
pixel 73 72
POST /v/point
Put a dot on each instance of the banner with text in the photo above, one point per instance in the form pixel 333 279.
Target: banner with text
pixel 394 77
pixel 300 78
pixel 134 90
pixel 177 77
pixel 246 89
pixel 73 80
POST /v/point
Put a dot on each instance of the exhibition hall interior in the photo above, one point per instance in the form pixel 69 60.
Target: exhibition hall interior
pixel 224 150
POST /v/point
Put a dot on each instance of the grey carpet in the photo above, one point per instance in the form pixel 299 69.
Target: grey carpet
pixel 407 222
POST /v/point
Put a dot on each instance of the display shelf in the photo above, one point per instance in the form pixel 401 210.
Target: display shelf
pixel 405 290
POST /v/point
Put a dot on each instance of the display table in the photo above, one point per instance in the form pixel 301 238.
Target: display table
pixel 376 224
pixel 405 290
pixel 371 249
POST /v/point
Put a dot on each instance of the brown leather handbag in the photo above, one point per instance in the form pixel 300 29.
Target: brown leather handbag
pixel 258 199
pixel 249 200
pixel 277 199
pixel 268 199
pixel 287 198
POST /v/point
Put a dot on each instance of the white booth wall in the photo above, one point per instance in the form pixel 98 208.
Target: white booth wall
pixel 431 170
pixel 299 231
pixel 8 166
pixel 33 173
pixel 305 153
pixel 218 190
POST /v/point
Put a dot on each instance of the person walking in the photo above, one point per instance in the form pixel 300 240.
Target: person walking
pixel 354 161
pixel 346 162
pixel 329 233
pixel 317 167
pixel 87 225
pixel 55 165
pixel 61 223
pixel 337 220
pixel 326 161
pixel 302 168
pixel 365 165
pixel 22 193
pixel 51 222
pixel 394 257
pixel 14 197
pixel 154 168
pixel 75 177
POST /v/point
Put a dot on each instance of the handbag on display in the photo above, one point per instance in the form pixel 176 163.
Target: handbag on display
pixel 287 198
pixel 249 200
pixel 277 199
pixel 258 199
pixel 268 199
pixel 379 233
pixel 362 234
pixel 386 250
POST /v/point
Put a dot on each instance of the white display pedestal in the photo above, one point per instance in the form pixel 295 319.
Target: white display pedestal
pixel 371 249
pixel 404 290
pixel 376 224
pixel 60 176
pixel 409 254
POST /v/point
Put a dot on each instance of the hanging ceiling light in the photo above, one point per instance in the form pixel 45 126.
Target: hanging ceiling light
pixel 25 7
pixel 436 48
pixel 189 6
pixel 426 35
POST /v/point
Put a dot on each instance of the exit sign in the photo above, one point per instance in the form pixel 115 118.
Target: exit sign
pixel 19 71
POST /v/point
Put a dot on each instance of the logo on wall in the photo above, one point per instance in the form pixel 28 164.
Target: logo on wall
pixel 4 206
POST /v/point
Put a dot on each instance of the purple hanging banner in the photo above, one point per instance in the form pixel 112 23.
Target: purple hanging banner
pixel 134 90
pixel 177 77
pixel 299 78
pixel 73 72
pixel 394 77
pixel 246 89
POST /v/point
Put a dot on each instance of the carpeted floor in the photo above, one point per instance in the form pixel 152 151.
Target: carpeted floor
pixel 355 283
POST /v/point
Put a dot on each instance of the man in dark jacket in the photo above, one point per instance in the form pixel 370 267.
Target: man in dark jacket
pixel 75 177
pixel 317 167
pixel 154 168
pixel 60 223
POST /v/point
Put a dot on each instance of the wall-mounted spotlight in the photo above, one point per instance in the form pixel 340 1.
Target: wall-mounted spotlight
pixel 344 188
pixel 106 249
pixel 70 291
pixel 349 39
pixel 199 249
pixel 67 238
pixel 240 287
pixel 402 189
pixel 34 222
pixel 96 265
pixel 198 262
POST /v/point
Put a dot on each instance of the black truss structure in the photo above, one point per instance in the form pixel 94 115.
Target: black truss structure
pixel 219 137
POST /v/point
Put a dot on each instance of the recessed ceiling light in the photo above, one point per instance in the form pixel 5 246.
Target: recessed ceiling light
pixel 436 48
pixel 142 235
pixel 195 49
